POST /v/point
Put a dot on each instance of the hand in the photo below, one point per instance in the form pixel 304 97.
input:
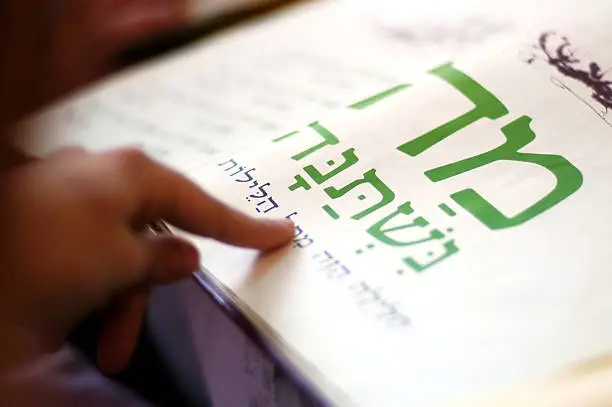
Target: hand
pixel 78 243
pixel 50 47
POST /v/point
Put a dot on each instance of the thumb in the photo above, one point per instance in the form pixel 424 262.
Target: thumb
pixel 172 259
pixel 120 331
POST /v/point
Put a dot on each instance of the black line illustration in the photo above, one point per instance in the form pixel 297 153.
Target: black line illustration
pixel 563 57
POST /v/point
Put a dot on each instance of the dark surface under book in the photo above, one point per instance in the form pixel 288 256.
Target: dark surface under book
pixel 211 289
pixel 148 373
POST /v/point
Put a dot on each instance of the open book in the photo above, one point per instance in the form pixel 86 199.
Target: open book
pixel 447 172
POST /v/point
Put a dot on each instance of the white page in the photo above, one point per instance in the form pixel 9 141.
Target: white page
pixel 260 79
pixel 512 304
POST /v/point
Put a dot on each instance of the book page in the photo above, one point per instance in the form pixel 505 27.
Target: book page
pixel 449 239
pixel 263 78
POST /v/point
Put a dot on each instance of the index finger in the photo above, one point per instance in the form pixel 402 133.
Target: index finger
pixel 159 192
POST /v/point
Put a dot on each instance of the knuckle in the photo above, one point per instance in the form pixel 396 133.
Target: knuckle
pixel 68 152
pixel 130 161
pixel 132 156
pixel 115 177
pixel 129 168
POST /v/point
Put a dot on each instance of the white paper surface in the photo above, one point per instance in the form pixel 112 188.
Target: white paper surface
pixel 258 80
pixel 513 304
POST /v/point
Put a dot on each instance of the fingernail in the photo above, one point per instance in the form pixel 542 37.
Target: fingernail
pixel 282 223
pixel 284 233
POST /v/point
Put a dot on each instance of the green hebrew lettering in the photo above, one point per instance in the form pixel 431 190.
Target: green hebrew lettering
pixel 370 177
pixel 300 182
pixel 350 158
pixel 362 104
pixel 518 134
pixel 328 140
pixel 486 105
pixel 378 232
pixel 449 249
pixel 286 136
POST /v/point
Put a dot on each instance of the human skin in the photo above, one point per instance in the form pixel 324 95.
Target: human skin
pixel 74 237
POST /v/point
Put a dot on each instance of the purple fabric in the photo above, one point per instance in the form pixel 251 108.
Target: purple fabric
pixel 67 379
pixel 206 348
pixel 213 359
